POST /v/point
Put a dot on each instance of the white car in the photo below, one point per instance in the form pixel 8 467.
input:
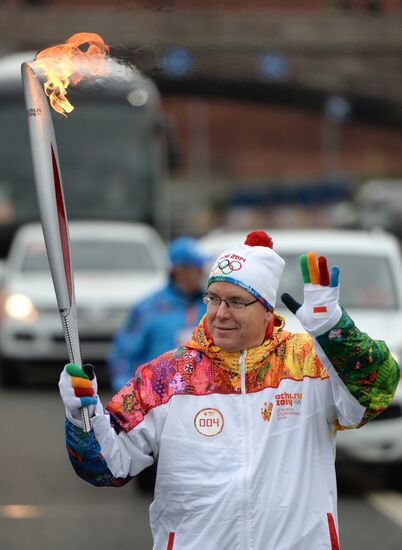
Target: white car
pixel 371 292
pixel 114 265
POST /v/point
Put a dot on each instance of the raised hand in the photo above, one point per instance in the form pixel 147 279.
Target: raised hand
pixel 320 310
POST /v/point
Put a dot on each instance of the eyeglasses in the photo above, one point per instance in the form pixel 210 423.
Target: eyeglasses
pixel 215 301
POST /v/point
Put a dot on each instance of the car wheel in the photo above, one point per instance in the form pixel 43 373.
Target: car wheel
pixel 10 375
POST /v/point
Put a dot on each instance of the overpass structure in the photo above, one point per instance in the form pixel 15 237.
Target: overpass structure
pixel 298 58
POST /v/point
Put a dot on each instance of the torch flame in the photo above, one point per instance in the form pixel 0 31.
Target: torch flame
pixel 83 55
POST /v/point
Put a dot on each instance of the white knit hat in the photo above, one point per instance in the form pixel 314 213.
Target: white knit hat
pixel 254 266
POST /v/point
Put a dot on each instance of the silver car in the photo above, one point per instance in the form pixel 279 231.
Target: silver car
pixel 114 265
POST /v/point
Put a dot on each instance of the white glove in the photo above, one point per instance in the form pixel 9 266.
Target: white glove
pixel 78 388
pixel 320 310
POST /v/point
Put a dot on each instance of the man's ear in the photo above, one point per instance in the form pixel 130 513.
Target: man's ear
pixel 270 326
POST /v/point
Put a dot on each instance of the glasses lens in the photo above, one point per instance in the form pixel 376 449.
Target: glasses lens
pixel 212 300
pixel 234 304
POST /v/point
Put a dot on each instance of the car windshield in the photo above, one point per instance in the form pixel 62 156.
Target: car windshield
pixel 94 255
pixel 366 281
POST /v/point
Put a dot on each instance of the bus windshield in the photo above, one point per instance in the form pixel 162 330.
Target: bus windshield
pixel 106 163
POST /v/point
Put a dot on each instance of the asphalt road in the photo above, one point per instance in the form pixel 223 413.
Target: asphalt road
pixel 44 506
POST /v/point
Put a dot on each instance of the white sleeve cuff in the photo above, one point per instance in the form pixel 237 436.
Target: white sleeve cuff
pixel 328 324
pixel 94 411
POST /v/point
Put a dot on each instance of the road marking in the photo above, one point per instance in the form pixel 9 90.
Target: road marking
pixel 34 511
pixel 20 511
pixel 389 504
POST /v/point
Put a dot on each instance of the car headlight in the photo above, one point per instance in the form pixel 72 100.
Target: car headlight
pixel 19 306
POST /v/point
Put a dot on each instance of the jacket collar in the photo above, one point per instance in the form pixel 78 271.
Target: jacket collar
pixel 230 360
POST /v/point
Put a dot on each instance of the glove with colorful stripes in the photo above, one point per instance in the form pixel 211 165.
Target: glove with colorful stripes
pixel 320 310
pixel 78 388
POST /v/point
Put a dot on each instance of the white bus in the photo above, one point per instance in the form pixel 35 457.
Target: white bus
pixel 113 151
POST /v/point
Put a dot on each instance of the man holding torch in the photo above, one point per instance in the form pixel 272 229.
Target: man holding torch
pixel 243 417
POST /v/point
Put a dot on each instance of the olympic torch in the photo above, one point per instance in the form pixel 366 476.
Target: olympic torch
pixel 49 187
pixel 49 190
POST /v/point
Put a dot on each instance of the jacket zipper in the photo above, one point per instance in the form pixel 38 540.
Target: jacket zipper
pixel 246 429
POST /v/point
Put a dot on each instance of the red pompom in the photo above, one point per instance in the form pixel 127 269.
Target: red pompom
pixel 259 238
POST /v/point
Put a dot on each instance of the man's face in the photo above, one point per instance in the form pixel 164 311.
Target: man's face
pixel 236 329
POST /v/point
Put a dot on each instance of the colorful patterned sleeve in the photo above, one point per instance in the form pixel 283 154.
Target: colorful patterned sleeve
pixel 364 365
pixel 86 458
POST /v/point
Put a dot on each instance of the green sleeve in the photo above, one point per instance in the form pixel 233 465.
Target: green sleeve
pixel 365 366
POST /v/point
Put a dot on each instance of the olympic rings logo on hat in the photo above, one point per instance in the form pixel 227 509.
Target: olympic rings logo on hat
pixel 226 266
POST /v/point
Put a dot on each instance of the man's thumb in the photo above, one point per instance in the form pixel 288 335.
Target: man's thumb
pixel 89 370
pixel 290 302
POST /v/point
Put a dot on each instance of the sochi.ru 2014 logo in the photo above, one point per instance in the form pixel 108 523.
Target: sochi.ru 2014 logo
pixel 287 405
pixel 209 422
pixel 288 399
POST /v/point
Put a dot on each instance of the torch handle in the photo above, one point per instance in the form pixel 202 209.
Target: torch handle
pixel 74 353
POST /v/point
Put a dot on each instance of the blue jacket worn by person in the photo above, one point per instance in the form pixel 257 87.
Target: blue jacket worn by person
pixel 162 321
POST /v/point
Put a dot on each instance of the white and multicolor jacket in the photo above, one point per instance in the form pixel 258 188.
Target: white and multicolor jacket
pixel 245 441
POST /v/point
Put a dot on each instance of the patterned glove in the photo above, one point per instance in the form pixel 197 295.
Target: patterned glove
pixel 320 310
pixel 78 388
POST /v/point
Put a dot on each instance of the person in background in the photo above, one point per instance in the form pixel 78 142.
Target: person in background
pixel 163 320
pixel 243 418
